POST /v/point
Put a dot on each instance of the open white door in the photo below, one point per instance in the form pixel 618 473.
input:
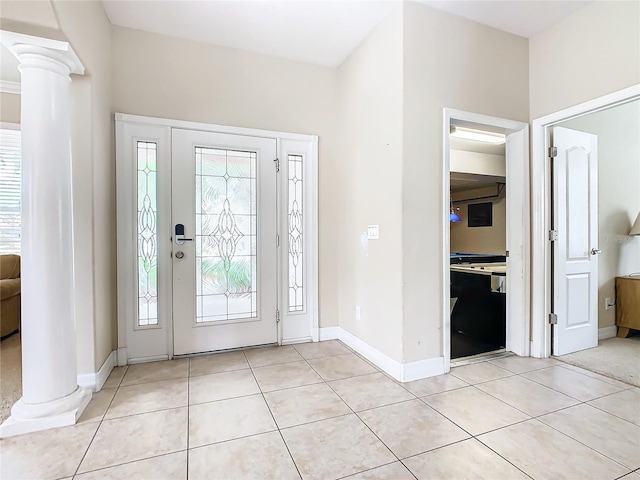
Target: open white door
pixel 575 259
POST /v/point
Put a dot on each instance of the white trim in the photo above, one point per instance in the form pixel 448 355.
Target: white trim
pixel 95 381
pixel 155 358
pixel 429 367
pixel 121 356
pixel 59 49
pixel 329 333
pixel 9 126
pixel 303 323
pixel 403 372
pixel 292 341
pixel 541 212
pixel 7 86
pixel 159 130
pixel 62 412
pixel 210 127
pixel 389 365
pixel 607 332
pixel 517 335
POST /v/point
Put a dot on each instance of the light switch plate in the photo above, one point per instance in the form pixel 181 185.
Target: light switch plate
pixel 373 232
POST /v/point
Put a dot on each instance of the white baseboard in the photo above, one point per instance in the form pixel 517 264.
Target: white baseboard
pixel 154 358
pixel 329 333
pixel 122 357
pixel 429 367
pixel 95 381
pixel 403 372
pixel 607 332
pixel 293 341
pixel 375 356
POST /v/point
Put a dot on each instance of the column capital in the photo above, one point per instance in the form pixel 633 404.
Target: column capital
pixel 24 46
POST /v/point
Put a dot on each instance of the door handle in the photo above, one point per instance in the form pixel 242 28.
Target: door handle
pixel 595 251
pixel 180 234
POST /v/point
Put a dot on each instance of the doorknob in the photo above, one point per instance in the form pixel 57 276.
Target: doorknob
pixel 595 251
pixel 180 235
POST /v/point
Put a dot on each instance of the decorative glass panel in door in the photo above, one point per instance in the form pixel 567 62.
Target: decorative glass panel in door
pixel 224 261
pixel 226 220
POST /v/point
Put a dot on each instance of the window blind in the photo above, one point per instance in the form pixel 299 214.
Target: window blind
pixel 10 154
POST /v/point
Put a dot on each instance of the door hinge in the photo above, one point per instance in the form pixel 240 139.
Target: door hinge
pixel 277 316
pixel 553 152
pixel 507 254
pixel 277 162
pixel 553 319
pixel 553 235
pixel 277 240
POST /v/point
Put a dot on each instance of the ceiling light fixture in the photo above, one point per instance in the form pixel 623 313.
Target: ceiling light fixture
pixel 477 135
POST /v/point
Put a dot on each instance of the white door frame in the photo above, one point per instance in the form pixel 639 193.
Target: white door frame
pixel 517 335
pixel 293 327
pixel 541 268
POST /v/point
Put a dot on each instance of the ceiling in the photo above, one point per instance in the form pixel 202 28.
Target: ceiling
pixel 461 182
pixel 321 32
pixel 520 17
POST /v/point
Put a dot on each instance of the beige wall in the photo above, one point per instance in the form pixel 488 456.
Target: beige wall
pixel 9 108
pixel 161 76
pixel 370 182
pixel 618 131
pixel 448 62
pixel 480 239
pixel 591 53
pixel 87 28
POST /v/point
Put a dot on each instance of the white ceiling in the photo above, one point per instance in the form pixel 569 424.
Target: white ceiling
pixel 319 32
pixel 520 17
pixel 322 32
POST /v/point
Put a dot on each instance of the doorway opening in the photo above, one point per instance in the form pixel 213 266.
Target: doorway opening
pixel 477 240
pixel 594 251
pixel 486 236
pixel 620 255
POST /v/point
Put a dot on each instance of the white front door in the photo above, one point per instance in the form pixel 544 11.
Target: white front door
pixel 575 259
pixel 223 212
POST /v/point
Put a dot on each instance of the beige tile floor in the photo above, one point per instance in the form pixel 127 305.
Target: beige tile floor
pixel 319 411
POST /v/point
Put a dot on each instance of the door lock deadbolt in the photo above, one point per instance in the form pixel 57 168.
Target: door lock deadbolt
pixel 179 254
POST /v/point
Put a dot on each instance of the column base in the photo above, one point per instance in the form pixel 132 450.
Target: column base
pixel 63 412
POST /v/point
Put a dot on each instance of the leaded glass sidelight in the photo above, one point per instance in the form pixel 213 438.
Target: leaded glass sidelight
pixel 295 209
pixel 147 234
pixel 226 235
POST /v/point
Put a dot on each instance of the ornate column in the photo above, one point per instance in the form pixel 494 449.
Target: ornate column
pixel 50 393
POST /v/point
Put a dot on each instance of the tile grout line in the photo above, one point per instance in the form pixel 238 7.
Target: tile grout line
pixel 571 396
pixel 537 417
pixel 582 443
pixel 188 414
pixel 563 364
pixel 347 477
pixel 358 416
pixel 505 459
pixel 274 418
pixel 326 382
pixel 128 462
pixel 99 425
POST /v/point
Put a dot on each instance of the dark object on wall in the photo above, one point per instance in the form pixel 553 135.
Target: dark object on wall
pixel 480 214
